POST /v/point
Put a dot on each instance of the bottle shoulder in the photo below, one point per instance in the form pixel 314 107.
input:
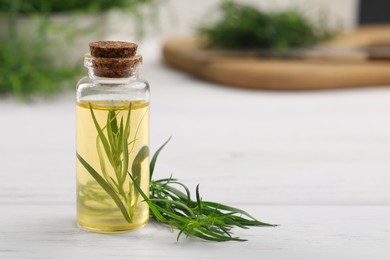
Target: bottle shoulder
pixel 84 81
pixel 112 89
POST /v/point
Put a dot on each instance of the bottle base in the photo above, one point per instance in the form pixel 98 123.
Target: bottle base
pixel 112 230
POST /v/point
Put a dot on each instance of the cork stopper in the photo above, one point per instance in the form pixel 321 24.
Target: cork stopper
pixel 114 59
pixel 113 49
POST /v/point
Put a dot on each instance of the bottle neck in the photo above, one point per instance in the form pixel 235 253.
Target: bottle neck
pixel 112 70
pixel 133 74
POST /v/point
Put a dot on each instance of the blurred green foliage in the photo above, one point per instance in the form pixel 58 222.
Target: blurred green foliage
pixel 27 69
pixel 27 64
pixel 247 27
pixel 39 6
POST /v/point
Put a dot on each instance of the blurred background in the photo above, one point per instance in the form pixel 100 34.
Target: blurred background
pixel 42 42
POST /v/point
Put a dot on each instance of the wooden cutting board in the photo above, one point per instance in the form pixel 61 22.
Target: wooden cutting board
pixel 246 71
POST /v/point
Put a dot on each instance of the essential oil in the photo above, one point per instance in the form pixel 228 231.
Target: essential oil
pixel 95 208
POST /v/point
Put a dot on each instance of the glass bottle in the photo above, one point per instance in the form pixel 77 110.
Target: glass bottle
pixel 112 140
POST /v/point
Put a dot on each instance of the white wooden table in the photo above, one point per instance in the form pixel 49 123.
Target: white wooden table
pixel 317 163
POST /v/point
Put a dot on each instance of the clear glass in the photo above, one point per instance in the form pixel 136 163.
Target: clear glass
pixel 112 144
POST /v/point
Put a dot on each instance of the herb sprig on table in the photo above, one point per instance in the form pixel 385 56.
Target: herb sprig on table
pixel 245 26
pixel 170 203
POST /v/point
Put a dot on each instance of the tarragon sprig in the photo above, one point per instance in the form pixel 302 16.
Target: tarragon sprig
pixel 170 203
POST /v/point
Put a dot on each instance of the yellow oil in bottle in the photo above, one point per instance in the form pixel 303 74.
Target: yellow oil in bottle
pixel 121 123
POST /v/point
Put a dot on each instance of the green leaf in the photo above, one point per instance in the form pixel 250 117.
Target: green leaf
pixel 112 130
pixel 181 205
pixel 119 140
pixel 217 237
pixel 127 127
pixel 152 206
pixel 225 207
pixel 101 136
pixel 113 122
pixel 136 169
pixel 142 154
pixel 198 200
pixel 165 180
pixel 125 149
pixel 101 160
pixel 171 214
pixel 115 184
pixel 178 193
pixel 155 156
pixel 105 186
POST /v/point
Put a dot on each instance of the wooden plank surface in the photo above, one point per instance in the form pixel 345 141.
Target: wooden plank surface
pixel 246 71
pixel 317 163
pixel 308 232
